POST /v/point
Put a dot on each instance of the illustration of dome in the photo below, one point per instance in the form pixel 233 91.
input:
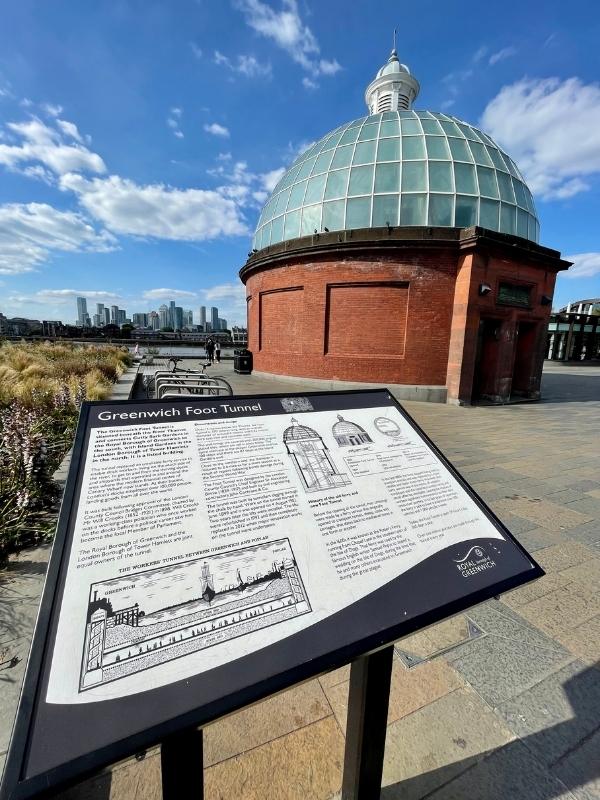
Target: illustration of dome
pixel 349 433
pixel 399 167
pixel 297 432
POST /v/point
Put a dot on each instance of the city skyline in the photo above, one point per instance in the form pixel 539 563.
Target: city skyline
pixel 219 103
pixel 166 316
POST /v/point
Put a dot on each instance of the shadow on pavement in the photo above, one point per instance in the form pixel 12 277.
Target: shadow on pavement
pixel 538 766
pixel 574 388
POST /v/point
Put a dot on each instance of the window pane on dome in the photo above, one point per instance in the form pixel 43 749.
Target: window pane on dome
pixel 487 182
pixel 440 176
pixel 412 209
pixel 323 162
pixel 277 230
pixel 497 159
pixel 358 212
pixel 265 239
pixel 512 167
pixel 460 150
pixel 297 195
pixel 349 136
pixel 311 220
pixel 368 131
pixel 520 193
pixel 364 152
pixel 315 189
pixel 450 128
pixel 440 209
pixel 289 178
pixel 361 180
pixel 437 147
pixel 342 157
pixel 466 211
pixel 387 178
pixel 529 198
pixel 412 147
pixel 337 183
pixel 410 126
pixel 507 218
pixel 282 201
pixel 269 208
pixel 332 141
pixel 292 225
pixel 414 178
pixel 488 214
pixel 333 215
pixel 305 169
pixel 505 185
pixel 531 229
pixel 357 123
pixel 464 175
pixel 385 210
pixel 522 223
pixel 390 127
pixel 432 126
pixel 480 154
pixel 387 115
pixel 388 150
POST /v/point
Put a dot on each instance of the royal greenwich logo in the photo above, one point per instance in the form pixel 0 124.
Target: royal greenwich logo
pixel 474 561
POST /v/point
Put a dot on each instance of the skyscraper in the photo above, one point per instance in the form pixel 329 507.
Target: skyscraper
pixel 114 315
pixel 214 318
pixel 106 316
pixel 81 311
pixel 154 320
pixel 100 310
pixel 203 317
pixel 163 315
pixel 177 318
pixel 172 314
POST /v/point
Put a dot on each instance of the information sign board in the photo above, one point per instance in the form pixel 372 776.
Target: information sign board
pixel 211 551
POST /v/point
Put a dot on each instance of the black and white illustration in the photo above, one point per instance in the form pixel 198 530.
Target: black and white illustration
pixel 148 618
pixel 348 433
pixel 312 459
pixel 388 427
pixel 291 404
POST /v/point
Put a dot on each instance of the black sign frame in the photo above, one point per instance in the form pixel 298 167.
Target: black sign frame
pixel 17 786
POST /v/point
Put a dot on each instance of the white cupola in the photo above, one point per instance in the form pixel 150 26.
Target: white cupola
pixel 393 88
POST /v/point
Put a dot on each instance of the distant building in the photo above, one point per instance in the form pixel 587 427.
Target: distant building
pixel 172 314
pixel 100 311
pixel 203 318
pixel 177 318
pixel 222 324
pixel 153 320
pixel 107 316
pixel 82 311
pixel 214 318
pixel 163 313
pixel 140 320
pixel 122 318
pixel 574 332
pixel 98 320
pixel 114 315
pixel 51 327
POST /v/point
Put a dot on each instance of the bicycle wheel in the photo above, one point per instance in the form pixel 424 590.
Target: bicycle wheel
pixel 172 363
pixel 148 383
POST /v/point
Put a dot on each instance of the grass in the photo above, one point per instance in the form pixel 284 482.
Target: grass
pixel 42 387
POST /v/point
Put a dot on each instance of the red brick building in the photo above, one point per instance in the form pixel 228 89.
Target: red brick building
pixel 401 250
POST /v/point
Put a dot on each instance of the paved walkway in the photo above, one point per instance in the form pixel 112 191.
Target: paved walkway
pixel 502 702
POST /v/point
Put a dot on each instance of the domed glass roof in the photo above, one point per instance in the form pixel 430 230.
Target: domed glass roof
pixel 297 431
pixel 399 168
pixel 345 428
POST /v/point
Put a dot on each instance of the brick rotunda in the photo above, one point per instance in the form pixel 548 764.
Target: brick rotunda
pixel 402 250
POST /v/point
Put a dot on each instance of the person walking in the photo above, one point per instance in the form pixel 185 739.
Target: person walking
pixel 210 349
pixel 218 351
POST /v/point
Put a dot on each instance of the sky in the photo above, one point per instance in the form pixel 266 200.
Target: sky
pixel 140 139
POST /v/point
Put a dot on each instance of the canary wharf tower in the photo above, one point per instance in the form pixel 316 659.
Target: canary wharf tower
pixel 402 249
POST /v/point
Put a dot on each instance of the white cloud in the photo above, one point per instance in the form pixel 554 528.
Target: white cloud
pixel 216 130
pixel 550 127
pixel 272 178
pixel 45 295
pixel 506 52
pixel 244 65
pixel 224 157
pixel 46 145
pixel 69 129
pixel 308 83
pixel 52 109
pixel 169 294
pixel 29 233
pixel 586 265
pixel 287 30
pixel 226 291
pixel 479 53
pixel 178 134
pixel 156 210
pixel 196 51
pixel 176 111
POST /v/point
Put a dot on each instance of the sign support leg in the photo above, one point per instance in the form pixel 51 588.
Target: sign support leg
pixel 368 700
pixel 182 766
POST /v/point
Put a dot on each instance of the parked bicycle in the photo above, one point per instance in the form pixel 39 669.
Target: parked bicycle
pixel 183 378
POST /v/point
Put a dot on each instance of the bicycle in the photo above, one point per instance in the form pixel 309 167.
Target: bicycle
pixel 149 381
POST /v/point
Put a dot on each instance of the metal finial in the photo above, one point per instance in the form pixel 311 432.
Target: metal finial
pixel 394 39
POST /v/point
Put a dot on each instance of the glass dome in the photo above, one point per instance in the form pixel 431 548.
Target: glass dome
pixel 399 168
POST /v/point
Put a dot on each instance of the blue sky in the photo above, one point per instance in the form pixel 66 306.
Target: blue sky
pixel 139 140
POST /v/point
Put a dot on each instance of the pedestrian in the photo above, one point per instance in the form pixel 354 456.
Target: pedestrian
pixel 210 349
pixel 218 351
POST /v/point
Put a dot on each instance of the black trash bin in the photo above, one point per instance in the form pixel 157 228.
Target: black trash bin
pixel 242 362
